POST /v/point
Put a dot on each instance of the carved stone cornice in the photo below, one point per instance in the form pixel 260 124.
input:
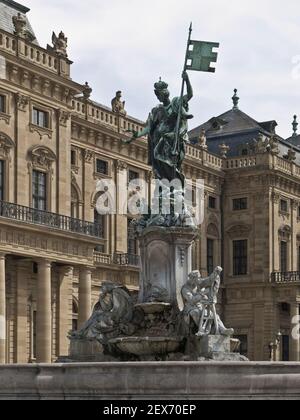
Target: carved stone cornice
pixel 22 102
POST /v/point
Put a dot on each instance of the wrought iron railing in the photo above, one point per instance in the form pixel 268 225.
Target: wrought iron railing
pixel 127 259
pixel 53 220
pixel 285 277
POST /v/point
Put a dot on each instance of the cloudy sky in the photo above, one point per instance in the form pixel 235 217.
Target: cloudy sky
pixel 129 44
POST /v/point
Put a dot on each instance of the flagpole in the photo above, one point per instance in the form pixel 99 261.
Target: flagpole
pixel 181 95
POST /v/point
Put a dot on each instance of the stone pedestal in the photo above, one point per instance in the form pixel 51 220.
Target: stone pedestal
pixel 166 256
pixel 213 348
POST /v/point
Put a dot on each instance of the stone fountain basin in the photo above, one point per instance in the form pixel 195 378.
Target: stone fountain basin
pixel 147 346
pixel 153 307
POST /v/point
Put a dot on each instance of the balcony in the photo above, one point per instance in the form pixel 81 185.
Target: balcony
pixel 127 259
pixel 287 277
pixel 43 218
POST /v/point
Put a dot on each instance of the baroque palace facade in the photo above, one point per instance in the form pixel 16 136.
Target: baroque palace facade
pixel 56 250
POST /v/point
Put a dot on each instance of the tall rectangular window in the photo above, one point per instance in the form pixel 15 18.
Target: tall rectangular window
pixel 285 348
pixel 39 190
pixel 210 256
pixel 2 165
pixel 40 118
pixel 240 258
pixel 283 257
pixel 2 104
pixel 240 204
pixel 212 202
pixel 284 206
pixel 73 157
pixel 131 238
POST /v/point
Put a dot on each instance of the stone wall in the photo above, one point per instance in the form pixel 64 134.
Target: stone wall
pixel 154 381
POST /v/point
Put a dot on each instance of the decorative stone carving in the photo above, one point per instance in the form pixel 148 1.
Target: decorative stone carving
pixel 239 231
pixel 60 44
pixel 41 131
pixel 88 156
pixel 275 197
pixel 42 157
pixel 224 150
pixel 20 24
pixel 112 316
pixel 22 101
pixel 5 117
pixel 117 105
pixel 291 155
pixel 64 117
pixel 121 166
pixel 87 91
pixel 6 144
pixel 203 140
pixel 200 297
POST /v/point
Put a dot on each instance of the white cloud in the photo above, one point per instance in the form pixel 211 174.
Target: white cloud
pixel 128 44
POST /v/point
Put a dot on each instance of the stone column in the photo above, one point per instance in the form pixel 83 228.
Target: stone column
pixel 44 315
pixel 85 296
pixel 294 343
pixel 21 355
pixel 2 311
pixel 64 309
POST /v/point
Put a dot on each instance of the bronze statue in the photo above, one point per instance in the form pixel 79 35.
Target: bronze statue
pixel 165 156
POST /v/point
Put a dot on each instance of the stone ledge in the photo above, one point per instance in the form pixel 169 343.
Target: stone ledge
pixel 154 381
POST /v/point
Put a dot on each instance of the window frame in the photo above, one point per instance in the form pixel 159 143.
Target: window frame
pixel 37 196
pixel 237 204
pixel 103 161
pixel 3 104
pixel 237 271
pixel 212 200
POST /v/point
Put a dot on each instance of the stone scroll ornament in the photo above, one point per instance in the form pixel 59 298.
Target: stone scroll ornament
pixel 167 125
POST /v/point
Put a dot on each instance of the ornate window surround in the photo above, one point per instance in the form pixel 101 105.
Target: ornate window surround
pixel 41 159
pixel 42 131
pixel 98 175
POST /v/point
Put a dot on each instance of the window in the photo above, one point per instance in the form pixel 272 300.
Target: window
pixel 74 203
pixel 131 239
pixel 240 204
pixel 40 118
pixel 99 219
pixel 2 104
pixel 102 167
pixel 212 202
pixel 210 256
pixel 33 335
pixel 285 348
pixel 132 175
pixel 283 256
pixel 74 316
pixel 39 193
pixel 240 258
pixel 243 350
pixel 284 206
pixel 2 165
pixel 73 157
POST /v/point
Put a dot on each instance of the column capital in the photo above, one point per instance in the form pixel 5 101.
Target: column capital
pixel 2 256
pixel 66 270
pixel 45 262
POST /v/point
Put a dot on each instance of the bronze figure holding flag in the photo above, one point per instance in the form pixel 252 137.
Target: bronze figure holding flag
pixel 167 125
